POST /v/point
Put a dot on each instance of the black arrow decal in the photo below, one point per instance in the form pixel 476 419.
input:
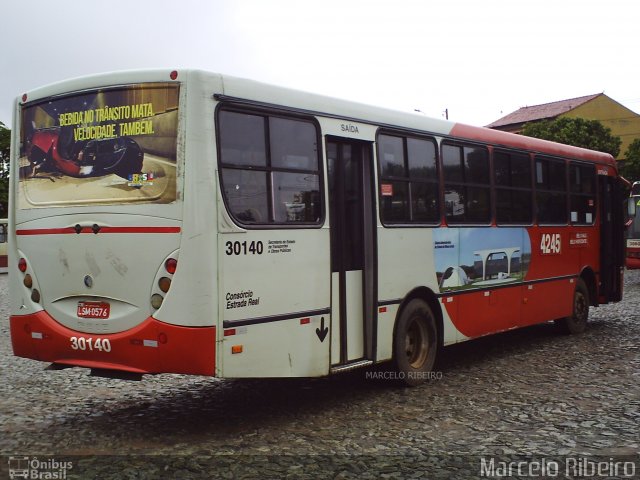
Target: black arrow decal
pixel 322 331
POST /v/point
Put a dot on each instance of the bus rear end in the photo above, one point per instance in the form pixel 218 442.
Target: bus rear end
pixel 96 228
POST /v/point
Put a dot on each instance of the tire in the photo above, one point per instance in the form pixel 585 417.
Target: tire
pixel 577 322
pixel 415 342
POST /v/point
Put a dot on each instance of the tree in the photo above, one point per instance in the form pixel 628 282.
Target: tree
pixel 5 143
pixel 578 132
pixel 631 167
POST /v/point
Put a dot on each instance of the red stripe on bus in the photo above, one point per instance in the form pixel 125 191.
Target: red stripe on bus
pixel 71 230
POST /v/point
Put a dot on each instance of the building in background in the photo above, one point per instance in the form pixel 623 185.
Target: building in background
pixel 623 122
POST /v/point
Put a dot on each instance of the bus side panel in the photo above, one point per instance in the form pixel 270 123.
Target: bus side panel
pixel 287 348
pixel 488 311
pixel 554 252
pixel 558 255
pixel 386 320
pixel 275 302
pixel 547 301
pixel 405 262
pixel 480 270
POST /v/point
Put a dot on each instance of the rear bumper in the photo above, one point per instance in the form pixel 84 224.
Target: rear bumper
pixel 151 347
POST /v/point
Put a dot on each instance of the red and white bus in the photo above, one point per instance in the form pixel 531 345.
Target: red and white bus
pixel 196 223
pixel 633 230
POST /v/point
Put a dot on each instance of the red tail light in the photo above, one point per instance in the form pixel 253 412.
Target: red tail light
pixel 22 265
pixel 170 265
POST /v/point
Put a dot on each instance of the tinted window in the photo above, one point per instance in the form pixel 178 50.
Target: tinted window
pixel 246 192
pixel 242 138
pixel 269 178
pixel 467 188
pixel 293 144
pixel 452 163
pixel 476 164
pixel 422 159
pixel 512 178
pixel 391 154
pixel 408 180
pixel 551 190
pixel 395 202
pixel 582 181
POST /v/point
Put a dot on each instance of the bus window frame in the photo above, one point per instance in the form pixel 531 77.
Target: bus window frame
pixel 230 106
pixel 565 162
pixel 594 194
pixel 404 136
pixel 462 143
pixel 495 187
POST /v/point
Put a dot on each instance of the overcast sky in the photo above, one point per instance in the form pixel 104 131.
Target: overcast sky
pixel 479 59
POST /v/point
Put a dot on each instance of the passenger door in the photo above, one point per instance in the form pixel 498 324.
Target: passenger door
pixel 353 269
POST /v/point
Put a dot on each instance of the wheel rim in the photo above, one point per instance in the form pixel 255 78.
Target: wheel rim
pixel 416 343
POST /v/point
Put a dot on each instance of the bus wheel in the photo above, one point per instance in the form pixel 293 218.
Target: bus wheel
pixel 415 342
pixel 577 322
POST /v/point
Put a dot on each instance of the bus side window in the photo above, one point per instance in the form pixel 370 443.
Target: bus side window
pixel 270 171
pixel 467 185
pixel 583 196
pixel 512 180
pixel 408 180
pixel 551 191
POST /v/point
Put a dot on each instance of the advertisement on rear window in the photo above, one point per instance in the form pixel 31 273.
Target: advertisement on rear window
pixel 108 146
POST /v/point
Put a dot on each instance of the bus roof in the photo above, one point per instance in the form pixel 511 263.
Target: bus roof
pixel 276 96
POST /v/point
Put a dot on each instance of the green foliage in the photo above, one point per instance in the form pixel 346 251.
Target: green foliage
pixel 631 167
pixel 5 144
pixel 578 132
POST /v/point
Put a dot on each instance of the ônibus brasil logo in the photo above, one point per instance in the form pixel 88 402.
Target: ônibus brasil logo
pixel 38 469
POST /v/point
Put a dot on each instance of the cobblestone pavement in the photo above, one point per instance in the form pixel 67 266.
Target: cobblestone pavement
pixel 531 392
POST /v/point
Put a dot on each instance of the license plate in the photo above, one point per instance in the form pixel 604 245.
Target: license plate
pixel 93 309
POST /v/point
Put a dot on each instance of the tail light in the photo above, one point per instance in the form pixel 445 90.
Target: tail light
pixel 162 282
pixel 170 265
pixel 28 280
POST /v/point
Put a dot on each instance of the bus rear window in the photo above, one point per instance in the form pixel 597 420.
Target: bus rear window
pixel 108 146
